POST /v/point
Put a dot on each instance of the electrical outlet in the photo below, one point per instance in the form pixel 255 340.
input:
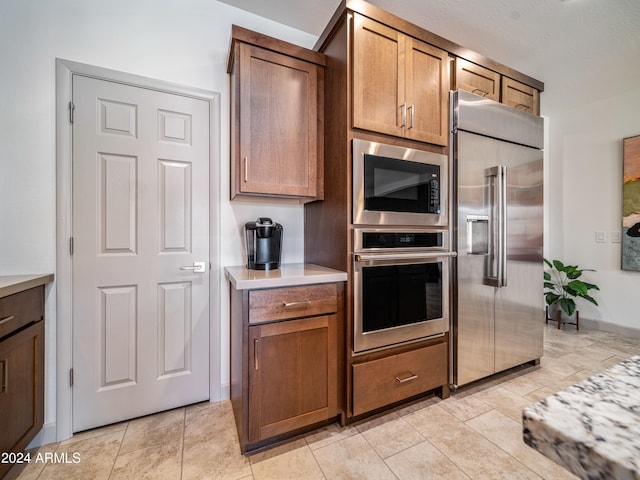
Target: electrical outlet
pixel 601 237
pixel 616 237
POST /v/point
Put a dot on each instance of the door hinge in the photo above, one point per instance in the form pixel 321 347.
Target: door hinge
pixel 71 377
pixel 71 109
pixel 70 245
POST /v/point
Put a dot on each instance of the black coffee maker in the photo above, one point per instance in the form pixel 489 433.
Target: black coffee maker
pixel 264 244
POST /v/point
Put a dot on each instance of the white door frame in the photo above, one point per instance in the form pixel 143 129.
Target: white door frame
pixel 65 70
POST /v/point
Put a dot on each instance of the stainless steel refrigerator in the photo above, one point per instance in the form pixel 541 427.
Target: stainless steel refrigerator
pixel 498 223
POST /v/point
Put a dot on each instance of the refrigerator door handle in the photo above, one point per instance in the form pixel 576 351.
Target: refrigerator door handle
pixel 496 201
pixel 502 226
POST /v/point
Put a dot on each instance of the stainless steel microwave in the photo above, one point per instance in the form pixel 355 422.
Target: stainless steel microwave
pixel 399 186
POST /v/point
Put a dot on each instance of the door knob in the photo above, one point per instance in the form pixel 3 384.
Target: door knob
pixel 197 267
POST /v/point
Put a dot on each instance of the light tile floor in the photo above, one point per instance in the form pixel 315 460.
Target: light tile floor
pixel 476 433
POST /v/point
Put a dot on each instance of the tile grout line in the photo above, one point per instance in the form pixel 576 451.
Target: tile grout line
pixel 184 429
pixel 115 459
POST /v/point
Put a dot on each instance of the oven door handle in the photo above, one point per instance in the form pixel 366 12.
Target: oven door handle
pixel 402 256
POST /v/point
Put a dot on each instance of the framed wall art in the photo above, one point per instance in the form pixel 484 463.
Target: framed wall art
pixel 631 205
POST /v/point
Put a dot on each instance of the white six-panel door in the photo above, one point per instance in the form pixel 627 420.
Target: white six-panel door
pixel 140 225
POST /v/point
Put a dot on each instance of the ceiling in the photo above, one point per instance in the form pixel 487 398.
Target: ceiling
pixel 583 50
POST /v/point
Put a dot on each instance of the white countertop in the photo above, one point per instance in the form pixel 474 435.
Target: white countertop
pixel 591 428
pixel 287 275
pixel 10 284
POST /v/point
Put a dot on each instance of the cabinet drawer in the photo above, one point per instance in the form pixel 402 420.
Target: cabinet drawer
pixel 21 308
pixel 292 302
pixel 387 380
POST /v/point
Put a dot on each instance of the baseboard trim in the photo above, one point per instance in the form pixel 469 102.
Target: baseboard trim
pixel 48 434
pixel 610 327
pixel 225 392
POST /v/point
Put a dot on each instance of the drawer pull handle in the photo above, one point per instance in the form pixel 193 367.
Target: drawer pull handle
pixel 5 376
pixel 484 94
pixel 306 303
pixel 412 376
pixel 255 354
pixel 6 319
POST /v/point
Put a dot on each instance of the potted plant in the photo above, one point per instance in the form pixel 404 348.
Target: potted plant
pixel 562 284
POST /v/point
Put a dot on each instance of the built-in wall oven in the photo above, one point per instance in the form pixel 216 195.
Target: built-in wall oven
pixel 398 185
pixel 401 286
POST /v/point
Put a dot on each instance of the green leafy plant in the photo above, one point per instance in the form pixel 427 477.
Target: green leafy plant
pixel 562 285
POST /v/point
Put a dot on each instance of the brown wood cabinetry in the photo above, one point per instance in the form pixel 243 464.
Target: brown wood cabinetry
pixel 277 118
pixel 375 64
pixel 389 379
pixel 489 84
pixel 292 380
pixel 521 96
pixel 286 348
pixel 21 369
pixel 476 79
pixel 400 84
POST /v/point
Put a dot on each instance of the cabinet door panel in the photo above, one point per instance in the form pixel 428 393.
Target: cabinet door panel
pixel 378 77
pixel 477 80
pixel 427 87
pixel 278 124
pixel 22 388
pixel 520 96
pixel 292 372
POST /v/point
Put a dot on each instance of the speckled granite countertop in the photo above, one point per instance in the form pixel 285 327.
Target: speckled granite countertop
pixel 591 428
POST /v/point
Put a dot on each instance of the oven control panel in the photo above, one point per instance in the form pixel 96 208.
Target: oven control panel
pixel 402 240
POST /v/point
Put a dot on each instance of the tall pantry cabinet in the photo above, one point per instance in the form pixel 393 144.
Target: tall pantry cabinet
pixel 387 80
pixel 385 85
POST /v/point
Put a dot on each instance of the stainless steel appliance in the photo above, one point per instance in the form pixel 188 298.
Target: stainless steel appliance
pixel 498 237
pixel 264 244
pixel 398 186
pixel 401 286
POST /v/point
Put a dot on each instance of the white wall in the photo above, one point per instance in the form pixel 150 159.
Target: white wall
pixel 584 195
pixel 180 41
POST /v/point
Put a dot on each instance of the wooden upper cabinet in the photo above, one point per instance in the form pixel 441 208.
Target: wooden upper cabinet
pixel 378 77
pixel 489 84
pixel 400 84
pixel 277 121
pixel 426 92
pixel 476 79
pixel 520 96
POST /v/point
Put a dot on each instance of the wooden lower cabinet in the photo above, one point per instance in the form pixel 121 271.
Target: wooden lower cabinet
pixel 387 380
pixel 21 371
pixel 292 381
pixel 286 352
